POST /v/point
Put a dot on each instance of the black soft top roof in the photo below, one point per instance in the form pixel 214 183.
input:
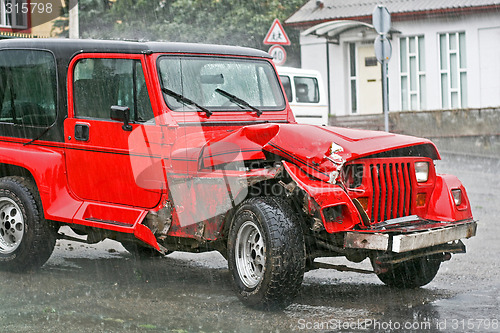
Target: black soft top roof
pixel 65 48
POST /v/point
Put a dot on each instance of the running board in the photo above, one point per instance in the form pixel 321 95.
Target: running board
pixel 116 218
pixel 109 217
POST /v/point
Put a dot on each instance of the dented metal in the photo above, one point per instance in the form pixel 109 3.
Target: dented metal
pixel 398 240
pixel 423 239
pixel 375 241
pixel 159 221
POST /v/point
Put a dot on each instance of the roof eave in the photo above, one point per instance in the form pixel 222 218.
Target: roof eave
pixel 402 16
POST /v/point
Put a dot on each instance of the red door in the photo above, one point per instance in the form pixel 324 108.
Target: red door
pixel 106 160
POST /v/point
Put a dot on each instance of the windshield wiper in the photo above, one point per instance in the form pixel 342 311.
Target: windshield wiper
pixel 238 101
pixel 181 99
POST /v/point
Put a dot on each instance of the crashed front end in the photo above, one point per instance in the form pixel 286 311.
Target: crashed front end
pixel 364 194
pixel 359 194
pixel 409 208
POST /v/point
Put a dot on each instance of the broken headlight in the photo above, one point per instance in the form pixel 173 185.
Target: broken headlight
pixel 336 159
pixel 422 171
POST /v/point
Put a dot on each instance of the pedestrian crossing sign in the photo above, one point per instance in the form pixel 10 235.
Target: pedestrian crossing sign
pixel 276 35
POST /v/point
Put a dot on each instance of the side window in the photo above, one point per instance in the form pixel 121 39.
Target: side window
pixel 306 89
pixel 28 87
pixel 101 83
pixel 287 85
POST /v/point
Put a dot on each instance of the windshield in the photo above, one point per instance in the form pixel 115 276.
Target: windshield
pixel 219 84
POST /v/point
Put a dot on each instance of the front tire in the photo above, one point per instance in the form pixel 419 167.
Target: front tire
pixel 413 273
pixel 26 238
pixel 266 253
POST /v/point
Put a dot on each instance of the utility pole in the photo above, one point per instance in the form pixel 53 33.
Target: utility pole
pixel 74 31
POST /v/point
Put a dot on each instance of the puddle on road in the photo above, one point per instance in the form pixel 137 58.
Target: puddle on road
pixel 474 311
pixel 103 288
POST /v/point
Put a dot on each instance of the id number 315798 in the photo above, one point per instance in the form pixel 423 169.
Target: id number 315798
pixel 32 7
pixel 484 324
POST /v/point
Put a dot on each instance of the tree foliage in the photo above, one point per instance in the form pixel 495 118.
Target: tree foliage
pixel 232 22
pixel 94 16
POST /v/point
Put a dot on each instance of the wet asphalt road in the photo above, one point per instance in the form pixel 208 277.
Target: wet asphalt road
pixel 102 288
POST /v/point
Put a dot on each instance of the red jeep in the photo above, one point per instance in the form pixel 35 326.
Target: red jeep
pixel 188 147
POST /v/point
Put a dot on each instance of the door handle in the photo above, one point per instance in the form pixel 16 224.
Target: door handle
pixel 82 132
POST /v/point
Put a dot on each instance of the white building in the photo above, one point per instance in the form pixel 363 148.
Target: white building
pixel 445 54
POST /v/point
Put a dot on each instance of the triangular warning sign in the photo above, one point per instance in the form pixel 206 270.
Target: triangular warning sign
pixel 276 35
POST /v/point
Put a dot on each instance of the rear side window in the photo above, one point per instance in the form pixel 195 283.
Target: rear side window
pixel 28 87
pixel 101 83
pixel 287 85
pixel 306 89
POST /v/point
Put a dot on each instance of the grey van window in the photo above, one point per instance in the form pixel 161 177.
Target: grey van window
pixel 28 87
pixel 101 83
pixel 287 85
pixel 306 89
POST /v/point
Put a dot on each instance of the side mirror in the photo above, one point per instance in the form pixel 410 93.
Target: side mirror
pixel 121 113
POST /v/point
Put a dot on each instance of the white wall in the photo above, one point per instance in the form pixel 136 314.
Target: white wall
pixel 489 66
pixel 313 56
pixel 482 33
pixel 478 30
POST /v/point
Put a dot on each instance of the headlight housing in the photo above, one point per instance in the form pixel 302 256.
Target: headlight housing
pixel 457 196
pixel 422 171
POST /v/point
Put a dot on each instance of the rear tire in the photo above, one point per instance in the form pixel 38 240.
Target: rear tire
pixel 412 273
pixel 266 253
pixel 26 238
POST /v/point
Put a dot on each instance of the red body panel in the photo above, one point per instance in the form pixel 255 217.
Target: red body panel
pixel 100 169
pixel 327 195
pixel 45 162
pixel 441 204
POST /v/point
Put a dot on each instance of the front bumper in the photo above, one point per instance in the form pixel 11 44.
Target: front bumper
pixel 408 234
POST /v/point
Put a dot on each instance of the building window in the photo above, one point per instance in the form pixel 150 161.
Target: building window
pixel 453 70
pixel 353 77
pixel 412 69
pixel 14 13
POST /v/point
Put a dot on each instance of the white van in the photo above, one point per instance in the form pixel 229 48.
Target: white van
pixel 306 95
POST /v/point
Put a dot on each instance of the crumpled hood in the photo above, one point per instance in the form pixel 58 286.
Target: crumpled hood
pixel 305 144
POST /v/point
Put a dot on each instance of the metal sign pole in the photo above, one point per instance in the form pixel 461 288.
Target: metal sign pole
pixel 381 19
pixel 385 95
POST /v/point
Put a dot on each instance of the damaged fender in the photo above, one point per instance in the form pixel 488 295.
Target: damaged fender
pixel 337 211
pixel 443 206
